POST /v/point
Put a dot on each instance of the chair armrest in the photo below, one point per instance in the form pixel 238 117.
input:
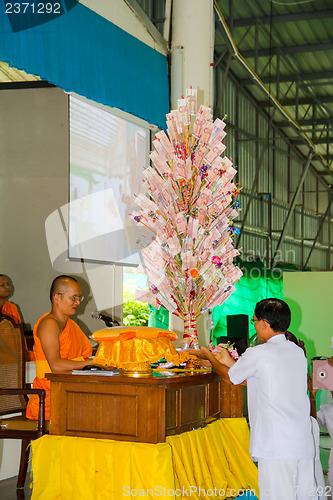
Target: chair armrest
pixel 41 412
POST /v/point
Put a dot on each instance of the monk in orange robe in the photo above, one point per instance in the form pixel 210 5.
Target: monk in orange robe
pixel 10 309
pixel 60 344
pixel 7 307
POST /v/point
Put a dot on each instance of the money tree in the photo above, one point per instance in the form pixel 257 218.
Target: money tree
pixel 189 207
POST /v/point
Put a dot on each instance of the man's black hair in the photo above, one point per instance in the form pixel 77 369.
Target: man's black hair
pixel 55 282
pixel 276 312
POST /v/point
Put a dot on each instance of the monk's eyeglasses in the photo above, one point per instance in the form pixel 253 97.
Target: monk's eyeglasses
pixel 75 298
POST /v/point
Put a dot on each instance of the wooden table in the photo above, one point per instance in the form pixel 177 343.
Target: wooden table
pixel 132 409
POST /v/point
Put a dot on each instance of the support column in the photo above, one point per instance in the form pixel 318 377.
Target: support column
pixel 192 49
pixel 192 57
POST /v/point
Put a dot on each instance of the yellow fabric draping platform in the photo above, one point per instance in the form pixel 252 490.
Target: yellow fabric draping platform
pixel 209 463
pixel 215 456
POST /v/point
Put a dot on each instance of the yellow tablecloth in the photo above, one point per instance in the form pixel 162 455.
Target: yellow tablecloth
pixel 209 463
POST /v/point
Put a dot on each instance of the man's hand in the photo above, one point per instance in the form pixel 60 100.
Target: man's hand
pixel 202 356
pixel 108 367
pixel 224 357
pixel 204 353
pixel 219 368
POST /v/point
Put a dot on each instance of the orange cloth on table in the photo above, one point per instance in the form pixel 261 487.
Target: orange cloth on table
pixel 129 346
pixel 11 310
pixel 73 344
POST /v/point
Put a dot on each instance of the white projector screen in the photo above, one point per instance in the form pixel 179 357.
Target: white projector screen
pixel 108 154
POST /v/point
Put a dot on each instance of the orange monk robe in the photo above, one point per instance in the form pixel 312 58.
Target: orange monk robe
pixel 11 310
pixel 73 344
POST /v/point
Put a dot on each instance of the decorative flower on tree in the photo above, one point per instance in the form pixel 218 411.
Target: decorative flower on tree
pixel 189 206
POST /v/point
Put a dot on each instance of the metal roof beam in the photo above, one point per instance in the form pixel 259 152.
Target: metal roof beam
pixel 292 206
pixel 319 230
pixel 297 140
pixel 317 128
pixel 319 161
pixel 311 47
pixel 147 23
pixel 304 123
pixel 286 18
pixel 221 24
pixel 327 75
pixel 302 101
pixel 254 189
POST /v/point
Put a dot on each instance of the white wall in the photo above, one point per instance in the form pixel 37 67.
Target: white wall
pixel 34 182
pixel 34 165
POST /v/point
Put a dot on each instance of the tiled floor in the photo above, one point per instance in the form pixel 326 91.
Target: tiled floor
pixel 8 490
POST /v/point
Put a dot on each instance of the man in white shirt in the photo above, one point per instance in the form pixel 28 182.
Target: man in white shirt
pixel 281 440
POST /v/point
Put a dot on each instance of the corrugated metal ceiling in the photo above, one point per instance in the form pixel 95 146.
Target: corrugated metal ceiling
pixel 289 45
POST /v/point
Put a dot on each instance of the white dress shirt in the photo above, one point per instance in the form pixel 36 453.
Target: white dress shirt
pixel 278 404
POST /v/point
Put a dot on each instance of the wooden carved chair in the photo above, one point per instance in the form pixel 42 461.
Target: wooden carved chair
pixel 14 393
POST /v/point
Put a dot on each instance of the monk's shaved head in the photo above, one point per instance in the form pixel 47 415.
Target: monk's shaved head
pixel 61 284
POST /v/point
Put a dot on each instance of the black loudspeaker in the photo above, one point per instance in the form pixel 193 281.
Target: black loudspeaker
pixel 238 332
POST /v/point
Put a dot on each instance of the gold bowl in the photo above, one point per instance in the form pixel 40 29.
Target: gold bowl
pixel 137 371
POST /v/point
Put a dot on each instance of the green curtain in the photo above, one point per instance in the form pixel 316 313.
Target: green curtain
pixel 256 284
pixel 158 318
